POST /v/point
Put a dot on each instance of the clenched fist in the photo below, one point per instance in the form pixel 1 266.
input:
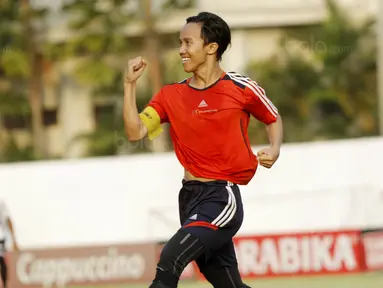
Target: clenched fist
pixel 134 69
pixel 268 156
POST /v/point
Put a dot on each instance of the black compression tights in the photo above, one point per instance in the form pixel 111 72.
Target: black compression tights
pixel 4 273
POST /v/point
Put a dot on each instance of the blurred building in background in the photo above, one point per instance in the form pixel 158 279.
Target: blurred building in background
pixel 69 108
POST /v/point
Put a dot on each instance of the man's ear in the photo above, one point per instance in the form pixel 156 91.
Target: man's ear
pixel 213 47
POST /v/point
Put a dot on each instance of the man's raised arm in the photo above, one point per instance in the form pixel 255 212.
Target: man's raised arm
pixel 134 127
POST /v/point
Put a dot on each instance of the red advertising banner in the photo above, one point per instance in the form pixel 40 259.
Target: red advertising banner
pixel 299 254
pixel 258 256
pixel 373 250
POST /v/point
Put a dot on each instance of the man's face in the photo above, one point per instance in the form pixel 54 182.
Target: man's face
pixel 193 51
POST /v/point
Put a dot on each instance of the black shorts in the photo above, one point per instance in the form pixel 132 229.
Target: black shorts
pixel 213 212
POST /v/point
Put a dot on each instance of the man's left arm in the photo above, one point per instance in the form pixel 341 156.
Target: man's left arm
pixel 269 155
pixel 261 107
pixel 275 132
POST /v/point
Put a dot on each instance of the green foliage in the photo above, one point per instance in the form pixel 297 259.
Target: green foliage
pixel 100 45
pixel 20 26
pixel 13 104
pixel 109 136
pixel 177 4
pixel 15 63
pixel 14 153
pixel 323 79
pixel 100 42
pixel 91 72
pixel 102 142
pixel 103 49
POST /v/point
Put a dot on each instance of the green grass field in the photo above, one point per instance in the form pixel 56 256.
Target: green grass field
pixel 374 280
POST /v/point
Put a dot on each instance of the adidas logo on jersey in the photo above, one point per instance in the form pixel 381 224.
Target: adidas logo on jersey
pixel 202 104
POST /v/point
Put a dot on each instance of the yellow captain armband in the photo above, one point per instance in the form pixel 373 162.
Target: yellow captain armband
pixel 152 122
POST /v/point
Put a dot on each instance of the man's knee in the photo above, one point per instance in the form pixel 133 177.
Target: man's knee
pixel 224 277
pixel 180 250
pixel 158 284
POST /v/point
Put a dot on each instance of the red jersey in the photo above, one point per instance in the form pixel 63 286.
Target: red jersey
pixel 208 126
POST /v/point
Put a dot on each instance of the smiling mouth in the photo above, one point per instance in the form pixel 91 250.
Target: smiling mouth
pixel 184 60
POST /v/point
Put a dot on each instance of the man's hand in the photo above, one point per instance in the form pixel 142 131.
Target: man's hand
pixel 134 69
pixel 268 156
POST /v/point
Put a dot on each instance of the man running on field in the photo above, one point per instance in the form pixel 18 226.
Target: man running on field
pixel 209 115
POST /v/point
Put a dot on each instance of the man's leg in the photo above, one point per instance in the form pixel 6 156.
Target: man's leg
pixel 210 246
pixel 209 222
pixel 222 269
pixel 3 267
pixel 180 250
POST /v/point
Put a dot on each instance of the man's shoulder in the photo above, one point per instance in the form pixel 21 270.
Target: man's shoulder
pixel 184 81
pixel 179 83
pixel 238 79
pixel 244 82
pixel 174 88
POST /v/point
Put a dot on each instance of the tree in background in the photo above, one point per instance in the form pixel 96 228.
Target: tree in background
pixel 323 79
pixel 21 75
pixel 154 49
pixel 99 44
pixel 103 46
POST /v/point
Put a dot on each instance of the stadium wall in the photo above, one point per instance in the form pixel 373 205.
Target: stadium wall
pixel 314 186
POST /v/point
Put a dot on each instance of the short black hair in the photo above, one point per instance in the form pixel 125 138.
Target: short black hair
pixel 214 29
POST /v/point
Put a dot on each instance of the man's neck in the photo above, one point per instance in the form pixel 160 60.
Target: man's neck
pixel 206 76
